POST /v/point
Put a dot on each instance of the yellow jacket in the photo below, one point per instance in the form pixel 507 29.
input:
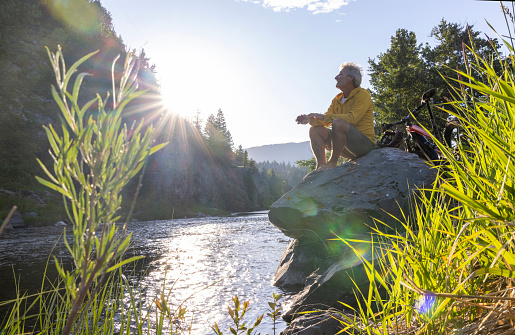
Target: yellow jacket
pixel 357 110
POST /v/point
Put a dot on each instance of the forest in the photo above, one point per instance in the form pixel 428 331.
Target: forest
pixel 207 167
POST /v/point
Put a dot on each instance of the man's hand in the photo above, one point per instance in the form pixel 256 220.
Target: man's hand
pixel 306 118
pixel 302 119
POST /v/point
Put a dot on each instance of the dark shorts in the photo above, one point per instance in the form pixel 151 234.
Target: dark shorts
pixel 357 144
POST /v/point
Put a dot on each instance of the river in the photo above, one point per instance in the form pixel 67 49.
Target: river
pixel 210 259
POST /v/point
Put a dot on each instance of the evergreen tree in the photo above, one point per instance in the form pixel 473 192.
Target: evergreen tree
pixel 397 78
pixel 245 159
pixel 253 166
pixel 451 53
pixel 240 156
pixel 406 69
pixel 222 127
pixel 218 138
pixel 197 122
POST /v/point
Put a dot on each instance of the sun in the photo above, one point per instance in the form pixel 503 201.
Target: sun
pixel 174 102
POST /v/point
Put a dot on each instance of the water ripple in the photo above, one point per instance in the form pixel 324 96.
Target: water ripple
pixel 207 261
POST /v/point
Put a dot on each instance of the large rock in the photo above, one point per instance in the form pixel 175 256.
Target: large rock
pixel 346 200
pixel 297 263
pixel 327 323
pixel 334 282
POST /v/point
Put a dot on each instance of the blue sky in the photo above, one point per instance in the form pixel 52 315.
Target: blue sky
pixel 263 62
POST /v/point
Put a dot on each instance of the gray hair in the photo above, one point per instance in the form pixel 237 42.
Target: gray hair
pixel 353 69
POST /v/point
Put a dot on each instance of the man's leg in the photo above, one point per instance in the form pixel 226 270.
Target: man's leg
pixel 319 136
pixel 339 140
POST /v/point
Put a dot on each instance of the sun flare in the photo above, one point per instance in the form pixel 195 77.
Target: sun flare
pixel 170 104
pixel 200 76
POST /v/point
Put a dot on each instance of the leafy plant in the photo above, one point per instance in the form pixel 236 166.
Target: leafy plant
pixel 275 311
pixel 95 155
pixel 237 314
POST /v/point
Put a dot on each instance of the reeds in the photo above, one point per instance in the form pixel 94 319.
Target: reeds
pixel 116 307
pixel 452 269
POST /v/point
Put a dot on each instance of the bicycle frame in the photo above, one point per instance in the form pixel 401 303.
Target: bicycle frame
pixel 417 139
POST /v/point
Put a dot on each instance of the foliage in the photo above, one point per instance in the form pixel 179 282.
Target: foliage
pixel 26 102
pixel 310 164
pixel 275 311
pixel 241 157
pixel 452 269
pixel 218 138
pixel 396 76
pixel 95 155
pixel 117 306
pixel 237 313
pixel 289 172
pixel 407 69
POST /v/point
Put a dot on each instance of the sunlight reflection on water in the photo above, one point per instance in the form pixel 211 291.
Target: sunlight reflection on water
pixel 219 257
pixel 209 260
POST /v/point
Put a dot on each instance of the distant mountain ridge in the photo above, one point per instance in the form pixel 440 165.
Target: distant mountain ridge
pixel 284 152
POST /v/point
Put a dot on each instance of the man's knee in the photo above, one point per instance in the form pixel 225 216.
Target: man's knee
pixel 340 125
pixel 318 131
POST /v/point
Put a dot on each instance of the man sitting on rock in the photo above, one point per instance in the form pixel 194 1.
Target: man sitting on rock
pixel 350 114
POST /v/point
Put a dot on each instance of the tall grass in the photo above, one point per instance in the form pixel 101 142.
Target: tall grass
pixel 117 307
pixel 453 268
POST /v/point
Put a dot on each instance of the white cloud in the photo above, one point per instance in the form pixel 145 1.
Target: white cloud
pixel 314 6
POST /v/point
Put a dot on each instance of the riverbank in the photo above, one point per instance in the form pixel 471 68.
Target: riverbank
pixel 40 207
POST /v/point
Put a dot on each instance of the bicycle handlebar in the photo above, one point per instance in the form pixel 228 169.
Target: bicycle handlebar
pixel 414 112
pixel 425 99
pixel 427 95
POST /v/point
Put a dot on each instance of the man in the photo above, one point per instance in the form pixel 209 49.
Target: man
pixel 351 117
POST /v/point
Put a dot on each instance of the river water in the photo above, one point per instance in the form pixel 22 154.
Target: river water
pixel 207 260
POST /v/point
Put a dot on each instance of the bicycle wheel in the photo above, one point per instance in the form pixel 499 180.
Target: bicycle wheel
pixel 451 133
pixel 455 137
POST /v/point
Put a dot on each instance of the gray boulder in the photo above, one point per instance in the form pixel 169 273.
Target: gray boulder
pixel 334 282
pixel 297 263
pixel 344 201
pixel 318 323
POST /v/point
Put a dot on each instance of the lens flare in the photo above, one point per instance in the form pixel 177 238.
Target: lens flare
pixel 425 303
pixel 78 14
pixel 308 207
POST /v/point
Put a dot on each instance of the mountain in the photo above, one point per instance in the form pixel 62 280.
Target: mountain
pixel 284 152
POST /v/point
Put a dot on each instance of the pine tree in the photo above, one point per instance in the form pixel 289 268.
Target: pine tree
pixel 217 138
pixel 197 122
pixel 451 53
pixel 406 69
pixel 240 156
pixel 397 78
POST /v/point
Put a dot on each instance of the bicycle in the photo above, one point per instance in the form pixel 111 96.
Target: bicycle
pixel 416 139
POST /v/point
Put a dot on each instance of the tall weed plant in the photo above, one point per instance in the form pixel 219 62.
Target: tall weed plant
pixel 453 268
pixel 94 156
